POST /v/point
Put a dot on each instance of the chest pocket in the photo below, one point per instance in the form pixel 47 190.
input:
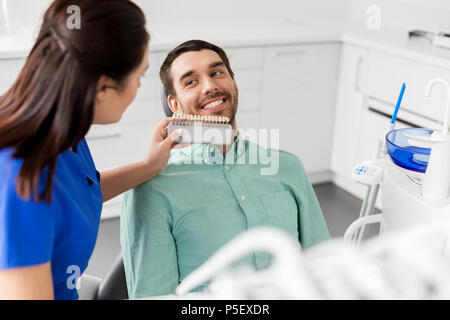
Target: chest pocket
pixel 281 211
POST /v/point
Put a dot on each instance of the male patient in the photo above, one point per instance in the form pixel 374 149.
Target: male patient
pixel 207 195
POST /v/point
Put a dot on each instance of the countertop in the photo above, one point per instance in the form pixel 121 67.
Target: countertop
pixel 386 39
pixel 167 36
pixel 275 32
pixel 240 33
pixel 16 45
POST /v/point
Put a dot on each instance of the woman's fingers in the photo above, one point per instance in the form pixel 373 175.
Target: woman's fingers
pixel 173 137
pixel 164 122
pixel 161 127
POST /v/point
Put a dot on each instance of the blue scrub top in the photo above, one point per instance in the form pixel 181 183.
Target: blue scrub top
pixel 63 232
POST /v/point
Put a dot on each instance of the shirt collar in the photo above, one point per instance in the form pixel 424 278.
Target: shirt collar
pixel 208 154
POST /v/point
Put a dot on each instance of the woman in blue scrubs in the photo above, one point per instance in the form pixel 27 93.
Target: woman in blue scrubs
pixel 51 195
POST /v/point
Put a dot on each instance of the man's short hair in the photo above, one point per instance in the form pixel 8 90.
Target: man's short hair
pixel 191 45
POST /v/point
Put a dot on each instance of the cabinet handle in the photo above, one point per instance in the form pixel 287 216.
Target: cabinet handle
pixel 275 54
pixel 358 74
pixel 104 136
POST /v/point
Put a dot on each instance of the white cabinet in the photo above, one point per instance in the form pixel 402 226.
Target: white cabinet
pixel 248 66
pixel 299 93
pixel 387 72
pixel 369 85
pixel 361 119
pixel 9 71
pixel 349 112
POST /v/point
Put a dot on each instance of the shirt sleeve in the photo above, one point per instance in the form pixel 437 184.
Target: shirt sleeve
pixel 312 226
pixel 26 227
pixel 149 251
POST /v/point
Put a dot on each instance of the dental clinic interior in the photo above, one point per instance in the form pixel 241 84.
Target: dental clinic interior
pixel 358 90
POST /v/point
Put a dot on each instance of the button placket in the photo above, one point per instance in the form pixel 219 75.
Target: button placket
pixel 242 197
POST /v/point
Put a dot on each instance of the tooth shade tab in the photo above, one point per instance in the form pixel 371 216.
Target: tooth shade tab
pixel 222 133
pixel 201 118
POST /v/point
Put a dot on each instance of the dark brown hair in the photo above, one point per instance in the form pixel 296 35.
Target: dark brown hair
pixel 50 106
pixel 191 45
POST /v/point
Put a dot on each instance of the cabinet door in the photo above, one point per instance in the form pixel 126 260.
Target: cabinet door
pixel 119 144
pixel 9 71
pixel 349 109
pixel 299 94
pixel 387 72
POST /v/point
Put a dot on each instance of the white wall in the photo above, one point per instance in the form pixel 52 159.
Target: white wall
pixel 432 15
pixel 26 13
pixel 159 12
pixel 164 11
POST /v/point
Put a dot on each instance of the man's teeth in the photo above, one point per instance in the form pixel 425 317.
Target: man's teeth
pixel 213 104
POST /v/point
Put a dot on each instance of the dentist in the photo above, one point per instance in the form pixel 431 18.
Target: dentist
pixel 51 195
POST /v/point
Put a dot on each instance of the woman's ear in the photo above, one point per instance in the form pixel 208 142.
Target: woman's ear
pixel 173 103
pixel 104 86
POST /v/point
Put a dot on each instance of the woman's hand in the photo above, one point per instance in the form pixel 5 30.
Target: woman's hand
pixel 118 180
pixel 160 146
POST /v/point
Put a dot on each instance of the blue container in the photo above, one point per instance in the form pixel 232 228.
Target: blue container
pixel 404 154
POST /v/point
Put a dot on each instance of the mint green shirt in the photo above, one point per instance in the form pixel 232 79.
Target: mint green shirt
pixel 173 223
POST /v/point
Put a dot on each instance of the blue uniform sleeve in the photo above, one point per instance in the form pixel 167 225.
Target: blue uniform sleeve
pixel 26 227
pixel 83 149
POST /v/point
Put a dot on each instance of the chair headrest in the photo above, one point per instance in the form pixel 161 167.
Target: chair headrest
pixel 165 105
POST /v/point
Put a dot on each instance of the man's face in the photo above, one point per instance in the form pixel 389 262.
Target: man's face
pixel 203 85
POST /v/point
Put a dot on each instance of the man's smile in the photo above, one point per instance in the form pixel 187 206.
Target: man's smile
pixel 214 105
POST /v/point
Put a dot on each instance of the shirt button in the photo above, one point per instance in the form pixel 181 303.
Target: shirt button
pixel 243 198
pixel 227 167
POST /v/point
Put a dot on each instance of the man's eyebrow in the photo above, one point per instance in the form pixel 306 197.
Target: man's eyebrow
pixel 186 74
pixel 211 66
pixel 216 64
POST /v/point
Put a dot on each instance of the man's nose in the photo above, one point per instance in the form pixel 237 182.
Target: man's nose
pixel 209 86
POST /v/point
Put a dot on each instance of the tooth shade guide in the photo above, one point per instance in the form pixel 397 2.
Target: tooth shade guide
pixel 200 118
pixel 222 133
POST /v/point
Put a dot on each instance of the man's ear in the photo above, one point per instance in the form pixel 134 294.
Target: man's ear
pixel 174 105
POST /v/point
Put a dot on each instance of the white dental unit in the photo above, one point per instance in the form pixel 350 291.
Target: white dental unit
pixel 413 171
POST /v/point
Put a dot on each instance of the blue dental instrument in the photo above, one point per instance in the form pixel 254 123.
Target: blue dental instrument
pixel 399 101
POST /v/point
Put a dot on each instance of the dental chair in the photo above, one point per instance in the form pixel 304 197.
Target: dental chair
pixel 164 103
pixel 112 287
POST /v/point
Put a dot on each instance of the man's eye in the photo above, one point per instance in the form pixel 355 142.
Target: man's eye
pixel 217 73
pixel 190 82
